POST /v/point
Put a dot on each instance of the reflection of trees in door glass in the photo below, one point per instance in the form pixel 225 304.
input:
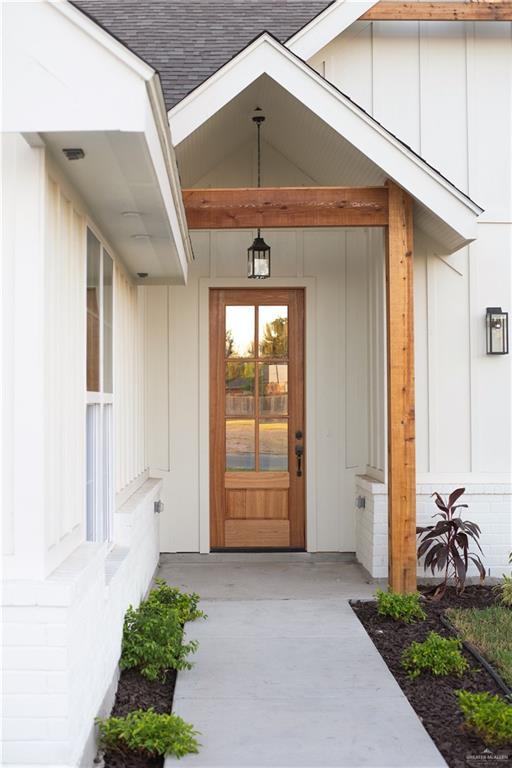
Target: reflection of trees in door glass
pixel 273 331
pixel 239 333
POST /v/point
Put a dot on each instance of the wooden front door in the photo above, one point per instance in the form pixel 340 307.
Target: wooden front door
pixel 257 477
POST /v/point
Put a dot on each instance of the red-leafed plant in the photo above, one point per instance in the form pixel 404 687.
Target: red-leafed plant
pixel 445 545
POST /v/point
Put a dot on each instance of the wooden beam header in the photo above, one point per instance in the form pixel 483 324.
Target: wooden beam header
pixel 270 207
pixel 389 10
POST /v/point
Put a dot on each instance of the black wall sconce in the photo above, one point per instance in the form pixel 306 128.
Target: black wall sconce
pixel 497 331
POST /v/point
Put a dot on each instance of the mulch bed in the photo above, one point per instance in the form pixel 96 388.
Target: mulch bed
pixel 432 697
pixel 135 692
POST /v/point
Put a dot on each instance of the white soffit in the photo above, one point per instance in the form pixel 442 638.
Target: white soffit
pixel 439 201
pixel 326 26
pixel 90 91
pixel 117 177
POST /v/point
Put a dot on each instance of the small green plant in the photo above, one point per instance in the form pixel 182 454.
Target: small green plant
pixel 186 604
pixel 153 640
pixel 148 733
pixel 404 608
pixel 437 655
pixel 504 590
pixel 488 716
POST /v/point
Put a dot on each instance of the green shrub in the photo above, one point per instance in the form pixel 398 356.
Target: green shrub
pixel 504 591
pixel 489 717
pixel 437 655
pixel 148 733
pixel 185 604
pixel 153 640
pixel 404 608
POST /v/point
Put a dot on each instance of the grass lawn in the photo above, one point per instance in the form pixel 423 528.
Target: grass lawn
pixel 490 631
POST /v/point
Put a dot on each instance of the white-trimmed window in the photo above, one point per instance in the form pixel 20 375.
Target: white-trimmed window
pixel 99 433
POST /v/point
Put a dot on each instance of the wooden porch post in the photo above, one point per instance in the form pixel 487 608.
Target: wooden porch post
pixel 400 369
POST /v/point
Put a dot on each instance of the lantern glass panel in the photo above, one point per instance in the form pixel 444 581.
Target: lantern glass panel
pixel 258 259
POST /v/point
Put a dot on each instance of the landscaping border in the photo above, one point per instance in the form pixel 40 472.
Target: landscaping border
pixel 433 698
pixel 479 658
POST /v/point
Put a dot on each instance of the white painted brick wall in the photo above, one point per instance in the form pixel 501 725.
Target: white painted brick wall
pixel 489 505
pixel 61 640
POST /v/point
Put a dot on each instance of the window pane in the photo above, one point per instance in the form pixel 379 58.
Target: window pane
pixel 273 331
pixel 273 445
pixel 240 442
pixel 93 313
pixel 107 321
pixel 92 460
pixel 273 389
pixel 239 389
pixel 240 332
pixel 107 475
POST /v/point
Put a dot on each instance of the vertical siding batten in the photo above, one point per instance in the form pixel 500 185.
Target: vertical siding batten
pixel 64 375
pixel 129 377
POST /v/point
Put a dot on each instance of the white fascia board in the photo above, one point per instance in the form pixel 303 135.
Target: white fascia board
pixel 213 94
pixel 164 161
pixel 105 39
pixel 267 56
pixel 327 26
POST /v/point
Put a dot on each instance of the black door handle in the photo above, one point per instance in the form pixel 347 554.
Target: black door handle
pixel 299 452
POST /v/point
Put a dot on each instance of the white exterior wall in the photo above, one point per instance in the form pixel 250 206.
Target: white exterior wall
pixel 129 384
pixel 429 84
pixel 332 265
pixel 44 342
pixel 63 598
pixel 64 365
pixel 446 89
pixel 44 251
pixel 489 506
pixel 61 640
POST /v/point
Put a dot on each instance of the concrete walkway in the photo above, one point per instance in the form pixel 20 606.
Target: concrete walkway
pixel 285 675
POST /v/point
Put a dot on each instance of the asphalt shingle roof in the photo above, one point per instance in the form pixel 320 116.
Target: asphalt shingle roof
pixel 189 40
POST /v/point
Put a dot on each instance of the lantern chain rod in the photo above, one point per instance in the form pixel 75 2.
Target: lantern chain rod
pixel 258 118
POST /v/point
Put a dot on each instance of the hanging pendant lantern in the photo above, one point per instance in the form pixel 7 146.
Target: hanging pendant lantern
pixel 258 259
pixel 258 254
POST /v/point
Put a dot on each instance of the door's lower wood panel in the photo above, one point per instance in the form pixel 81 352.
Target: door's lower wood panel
pixel 257 533
pixel 257 480
pixel 257 504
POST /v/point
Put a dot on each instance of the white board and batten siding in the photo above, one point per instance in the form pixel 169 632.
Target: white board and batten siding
pixel 334 267
pixel 66 349
pixel 59 588
pixel 446 90
pixel 44 322
pixel 64 366
pixel 130 461
pixel 44 250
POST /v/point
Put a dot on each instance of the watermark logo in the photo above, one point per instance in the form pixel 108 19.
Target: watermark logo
pixel 489 756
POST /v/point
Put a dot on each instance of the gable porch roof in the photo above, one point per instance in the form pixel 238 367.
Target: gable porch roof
pixel 445 213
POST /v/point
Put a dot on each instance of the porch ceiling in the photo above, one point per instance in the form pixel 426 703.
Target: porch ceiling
pixel 308 143
pixel 323 138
